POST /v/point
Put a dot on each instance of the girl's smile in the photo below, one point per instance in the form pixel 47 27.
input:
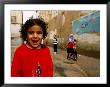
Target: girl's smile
pixel 34 37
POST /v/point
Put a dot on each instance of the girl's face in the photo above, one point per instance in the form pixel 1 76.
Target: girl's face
pixel 34 37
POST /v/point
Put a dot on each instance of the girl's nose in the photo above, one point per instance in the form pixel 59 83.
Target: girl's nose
pixel 35 34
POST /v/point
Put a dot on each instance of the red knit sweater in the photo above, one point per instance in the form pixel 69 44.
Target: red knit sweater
pixel 70 44
pixel 25 62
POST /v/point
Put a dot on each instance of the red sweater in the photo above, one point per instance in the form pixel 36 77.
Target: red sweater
pixel 25 62
pixel 70 44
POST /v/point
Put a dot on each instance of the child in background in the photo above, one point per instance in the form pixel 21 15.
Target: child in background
pixel 55 42
pixel 33 58
pixel 71 47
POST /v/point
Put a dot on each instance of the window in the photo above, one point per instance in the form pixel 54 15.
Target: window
pixel 13 19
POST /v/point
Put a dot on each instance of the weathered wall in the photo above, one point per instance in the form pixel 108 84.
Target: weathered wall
pixel 16 23
pixel 87 29
pixel 15 28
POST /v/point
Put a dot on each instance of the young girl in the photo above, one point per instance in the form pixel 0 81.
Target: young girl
pixel 71 47
pixel 33 58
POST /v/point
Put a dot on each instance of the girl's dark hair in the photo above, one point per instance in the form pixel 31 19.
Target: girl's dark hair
pixel 31 22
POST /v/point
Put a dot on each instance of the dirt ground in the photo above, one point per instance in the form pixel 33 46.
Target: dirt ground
pixel 84 67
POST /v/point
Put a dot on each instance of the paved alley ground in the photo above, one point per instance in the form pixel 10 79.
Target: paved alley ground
pixel 84 67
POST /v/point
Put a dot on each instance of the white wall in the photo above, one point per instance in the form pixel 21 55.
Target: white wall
pixel 15 28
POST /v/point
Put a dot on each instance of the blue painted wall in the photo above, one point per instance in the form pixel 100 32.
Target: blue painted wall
pixel 89 23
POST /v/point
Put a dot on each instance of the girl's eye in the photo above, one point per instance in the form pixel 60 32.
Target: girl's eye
pixel 32 32
pixel 39 32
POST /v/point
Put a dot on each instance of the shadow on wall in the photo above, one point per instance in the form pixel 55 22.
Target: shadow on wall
pixel 90 53
pixel 89 44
